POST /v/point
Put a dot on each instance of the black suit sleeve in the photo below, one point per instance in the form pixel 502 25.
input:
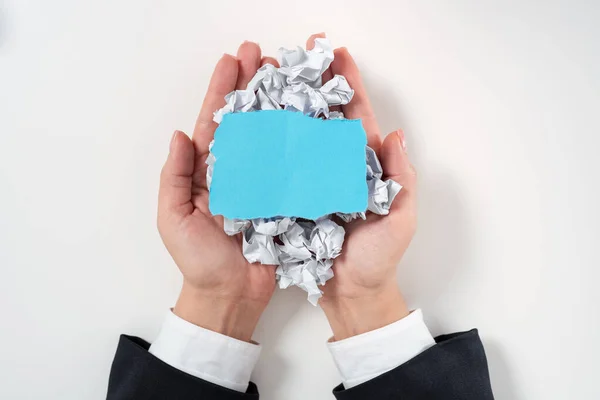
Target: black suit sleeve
pixel 138 375
pixel 455 368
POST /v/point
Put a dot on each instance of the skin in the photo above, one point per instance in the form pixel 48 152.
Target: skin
pixel 226 294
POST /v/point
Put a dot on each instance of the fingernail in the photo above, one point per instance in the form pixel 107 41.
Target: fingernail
pixel 173 140
pixel 400 134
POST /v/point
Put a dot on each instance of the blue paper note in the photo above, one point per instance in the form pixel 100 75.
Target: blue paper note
pixel 283 163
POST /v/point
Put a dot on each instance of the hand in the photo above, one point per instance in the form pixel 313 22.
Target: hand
pixel 221 290
pixel 363 294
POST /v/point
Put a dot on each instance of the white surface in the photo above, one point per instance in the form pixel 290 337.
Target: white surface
pixel 499 100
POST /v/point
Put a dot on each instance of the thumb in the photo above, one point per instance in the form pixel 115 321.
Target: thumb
pixel 394 160
pixel 175 193
pixel 396 165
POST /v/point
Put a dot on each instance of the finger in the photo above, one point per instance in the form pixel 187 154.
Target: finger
pixel 175 193
pixel 360 106
pixel 269 60
pixel 222 82
pixel 248 56
pixel 396 166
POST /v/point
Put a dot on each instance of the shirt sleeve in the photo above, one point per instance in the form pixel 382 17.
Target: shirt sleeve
pixel 205 354
pixel 363 357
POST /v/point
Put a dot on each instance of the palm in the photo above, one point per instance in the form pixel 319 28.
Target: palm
pixel 371 250
pixel 225 266
pixel 210 259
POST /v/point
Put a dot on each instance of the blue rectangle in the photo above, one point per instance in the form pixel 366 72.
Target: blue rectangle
pixel 283 163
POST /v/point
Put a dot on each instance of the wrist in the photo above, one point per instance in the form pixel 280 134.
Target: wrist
pixel 233 317
pixel 351 316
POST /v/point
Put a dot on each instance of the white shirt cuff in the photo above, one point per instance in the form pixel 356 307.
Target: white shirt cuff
pixel 363 357
pixel 205 354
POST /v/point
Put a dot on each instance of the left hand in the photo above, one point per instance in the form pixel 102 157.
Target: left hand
pixel 221 290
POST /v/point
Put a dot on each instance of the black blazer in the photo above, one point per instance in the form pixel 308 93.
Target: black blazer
pixel 455 368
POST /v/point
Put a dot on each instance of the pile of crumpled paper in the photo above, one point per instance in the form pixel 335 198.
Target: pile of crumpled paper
pixel 303 249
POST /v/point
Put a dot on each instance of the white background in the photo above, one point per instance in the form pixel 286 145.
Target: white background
pixel 500 101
